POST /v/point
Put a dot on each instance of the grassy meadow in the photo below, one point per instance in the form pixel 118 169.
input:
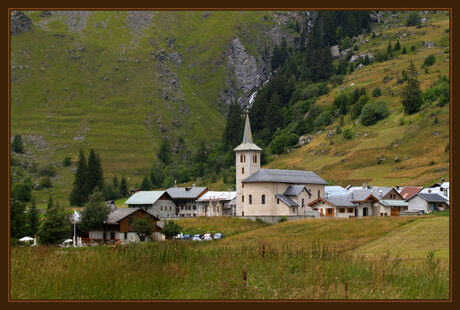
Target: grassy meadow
pixel 367 258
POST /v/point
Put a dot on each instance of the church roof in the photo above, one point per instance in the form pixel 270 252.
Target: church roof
pixel 294 190
pixel 248 144
pixel 288 201
pixel 285 176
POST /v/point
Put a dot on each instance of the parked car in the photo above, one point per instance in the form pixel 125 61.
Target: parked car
pixel 207 237
pixel 218 236
pixel 195 238
pixel 179 236
pixel 187 236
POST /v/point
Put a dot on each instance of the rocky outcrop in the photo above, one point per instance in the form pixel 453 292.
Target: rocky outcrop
pixel 75 20
pixel 20 22
pixel 138 20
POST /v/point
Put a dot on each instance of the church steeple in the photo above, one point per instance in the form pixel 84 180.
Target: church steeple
pixel 248 144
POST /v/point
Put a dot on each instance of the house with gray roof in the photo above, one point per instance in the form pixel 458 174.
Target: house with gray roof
pixel 334 206
pixel 271 192
pixel 185 199
pixel 369 198
pixel 118 227
pixel 159 203
pixel 335 190
pixel 428 202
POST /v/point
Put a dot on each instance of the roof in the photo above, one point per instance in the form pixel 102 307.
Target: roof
pixel 431 197
pixel 248 144
pixel 285 176
pixel 394 203
pixel 335 190
pixel 117 214
pixel 288 201
pixel 409 191
pixel 294 190
pixel 337 201
pixel 185 192
pixel 144 197
pixel 213 195
pixel 362 194
pixel 445 185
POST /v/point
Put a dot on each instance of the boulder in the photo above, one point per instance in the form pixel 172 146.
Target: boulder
pixel 305 139
pixel 429 44
pixel 20 22
pixel 381 159
pixel 335 51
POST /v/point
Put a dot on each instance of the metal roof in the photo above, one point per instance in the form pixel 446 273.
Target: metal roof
pixel 335 190
pixel 144 197
pixel 295 190
pixel 431 197
pixel 185 192
pixel 362 194
pixel 288 201
pixel 337 201
pixel 214 195
pixel 116 215
pixel 248 144
pixel 285 176
pixel 394 203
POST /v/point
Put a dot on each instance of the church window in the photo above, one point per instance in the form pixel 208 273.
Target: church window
pixel 263 199
pixel 250 199
pixel 303 202
pixel 242 170
pixel 242 198
pixel 277 201
pixel 318 193
pixel 241 158
pixel 254 158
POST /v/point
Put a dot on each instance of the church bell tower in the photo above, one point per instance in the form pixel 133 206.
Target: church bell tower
pixel 247 163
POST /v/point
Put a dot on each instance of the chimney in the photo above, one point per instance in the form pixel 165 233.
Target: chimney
pixel 380 193
pixel 397 187
pixel 442 180
pixel 364 185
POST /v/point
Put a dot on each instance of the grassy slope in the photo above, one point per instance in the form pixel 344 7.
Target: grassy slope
pixel 306 259
pixel 112 114
pixel 415 139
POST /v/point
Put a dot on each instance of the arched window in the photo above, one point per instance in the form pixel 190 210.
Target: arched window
pixel 250 199
pixel 263 199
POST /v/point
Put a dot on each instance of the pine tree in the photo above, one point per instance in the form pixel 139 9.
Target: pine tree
pixel 156 175
pixel 411 96
pixel 275 61
pixel 397 46
pixel 33 219
pixel 80 192
pixel 146 184
pixel 124 191
pixel 389 49
pixel 56 227
pixel 95 175
pixel 18 218
pixel 116 187
pixel 202 153
pixel 164 154
pixel 17 145
pixel 273 117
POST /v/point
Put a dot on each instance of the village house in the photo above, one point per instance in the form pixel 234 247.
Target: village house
pixel 408 192
pixel 117 227
pixel 158 203
pixel 427 202
pixel 334 206
pixel 271 192
pixel 335 190
pixel 377 201
pixel 214 203
pixel 185 199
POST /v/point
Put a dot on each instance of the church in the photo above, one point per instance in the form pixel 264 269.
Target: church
pixel 271 192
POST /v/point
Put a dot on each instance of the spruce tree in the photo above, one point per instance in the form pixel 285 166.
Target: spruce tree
pixel 146 184
pixel 124 191
pixel 389 49
pixel 18 218
pixel 56 227
pixel 164 154
pixel 411 96
pixel 33 219
pixel 17 145
pixel 116 187
pixel 273 117
pixel 80 192
pixel 95 175
pixel 397 46
pixel 156 175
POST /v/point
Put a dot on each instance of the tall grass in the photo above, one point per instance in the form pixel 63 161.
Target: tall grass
pixel 185 270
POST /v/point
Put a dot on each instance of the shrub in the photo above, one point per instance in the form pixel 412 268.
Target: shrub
pixel 17 145
pixel 282 219
pixel 413 19
pixel 171 229
pixel 324 119
pixel 67 162
pixel 373 112
pixel 358 106
pixel 377 92
pixel 429 61
pixel 45 182
pixel 48 171
pixel 348 134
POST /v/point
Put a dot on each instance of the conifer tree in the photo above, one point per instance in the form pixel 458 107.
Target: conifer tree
pixel 56 227
pixel 164 154
pixel 389 49
pixel 95 175
pixel 18 218
pixel 233 129
pixel 17 145
pixel 411 96
pixel 156 175
pixel 80 192
pixel 397 46
pixel 33 219
pixel 146 184
pixel 124 191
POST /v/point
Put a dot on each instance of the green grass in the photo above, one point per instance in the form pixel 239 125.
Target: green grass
pixel 292 260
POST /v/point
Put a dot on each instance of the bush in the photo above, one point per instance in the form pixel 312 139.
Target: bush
pixel 429 61
pixel 358 106
pixel 324 119
pixel 282 219
pixel 45 182
pixel 48 171
pixel 413 19
pixel 373 112
pixel 377 92
pixel 171 229
pixel 67 162
pixel 17 145
pixel 348 134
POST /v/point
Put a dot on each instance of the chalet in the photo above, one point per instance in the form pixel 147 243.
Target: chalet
pixel 117 227
pixel 214 203
pixel 378 201
pixel 158 203
pixel 185 199
pixel 334 206
pixel 408 191
pixel 427 202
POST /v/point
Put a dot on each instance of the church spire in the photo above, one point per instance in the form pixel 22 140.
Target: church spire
pixel 247 137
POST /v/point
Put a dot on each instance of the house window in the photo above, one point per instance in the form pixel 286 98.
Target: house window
pixel 263 199
pixel 342 210
pixel 194 207
pixel 126 236
pixel 242 185
pixel 293 210
pixel 250 199
pixel 241 158
pixel 161 208
pixel 254 158
pixel 303 202
pixel 350 210
pixel 277 201
pixel 318 193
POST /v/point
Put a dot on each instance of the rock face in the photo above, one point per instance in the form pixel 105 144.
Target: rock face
pixel 335 51
pixel 244 67
pixel 20 22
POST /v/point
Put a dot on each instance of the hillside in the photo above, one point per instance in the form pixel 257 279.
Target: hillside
pixel 401 149
pixel 120 82
pixel 304 259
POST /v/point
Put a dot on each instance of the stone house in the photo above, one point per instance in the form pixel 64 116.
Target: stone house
pixel 427 202
pixel 334 206
pixel 185 199
pixel 158 203
pixel 214 203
